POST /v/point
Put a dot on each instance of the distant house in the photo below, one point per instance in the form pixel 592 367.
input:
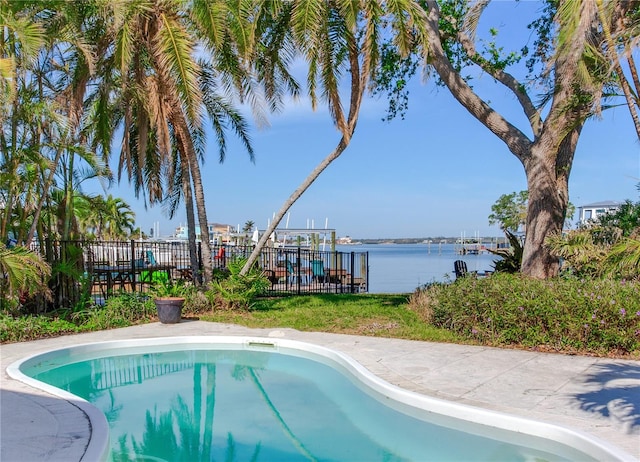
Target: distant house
pixel 216 230
pixel 593 211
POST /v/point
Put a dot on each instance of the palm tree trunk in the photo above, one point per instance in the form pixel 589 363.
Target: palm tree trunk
pixel 202 216
pixel 191 223
pixel 43 197
pixel 342 145
pixel 624 83
pixel 186 144
pixel 615 60
pixel 359 77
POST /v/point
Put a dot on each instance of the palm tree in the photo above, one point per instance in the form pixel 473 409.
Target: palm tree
pixel 19 44
pixel 68 65
pixel 164 93
pixel 619 29
pixel 334 38
pixel 110 217
pixel 20 110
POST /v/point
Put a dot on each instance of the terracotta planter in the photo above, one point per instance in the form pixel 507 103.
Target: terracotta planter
pixel 169 309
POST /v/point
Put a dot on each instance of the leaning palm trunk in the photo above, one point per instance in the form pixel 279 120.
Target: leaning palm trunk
pixel 613 20
pixel 347 128
pixel 342 145
pixel 328 33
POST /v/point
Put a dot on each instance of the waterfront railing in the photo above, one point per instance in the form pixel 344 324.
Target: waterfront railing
pixel 97 270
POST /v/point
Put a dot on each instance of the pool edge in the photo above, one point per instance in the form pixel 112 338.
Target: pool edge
pixel 571 437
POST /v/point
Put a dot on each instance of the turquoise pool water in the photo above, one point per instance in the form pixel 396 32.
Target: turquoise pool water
pixel 259 402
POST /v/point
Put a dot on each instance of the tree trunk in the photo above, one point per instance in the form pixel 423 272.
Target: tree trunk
pixel 202 217
pixel 547 159
pixel 359 77
pixel 342 145
pixel 544 217
pixel 186 142
pixel 191 223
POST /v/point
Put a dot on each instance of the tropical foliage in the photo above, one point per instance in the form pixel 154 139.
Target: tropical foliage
pixel 235 290
pixel 22 273
pixel 77 76
pixel 607 246
pixel 510 258
pixel 151 78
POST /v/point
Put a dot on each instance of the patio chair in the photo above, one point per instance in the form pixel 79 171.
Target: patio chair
pixel 150 258
pixel 460 269
pixel 220 254
pixel 303 275
pixel 317 271
pixel 99 279
pixel 271 276
pixel 151 276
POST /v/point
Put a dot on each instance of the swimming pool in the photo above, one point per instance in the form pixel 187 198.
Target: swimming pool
pixel 221 398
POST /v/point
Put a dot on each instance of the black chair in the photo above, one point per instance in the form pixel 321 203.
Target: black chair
pixel 460 269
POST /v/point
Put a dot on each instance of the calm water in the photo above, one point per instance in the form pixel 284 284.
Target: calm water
pixel 239 405
pixel 400 268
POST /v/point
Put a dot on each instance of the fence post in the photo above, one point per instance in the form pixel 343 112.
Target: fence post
pixel 298 271
pixel 352 267
pixel 133 265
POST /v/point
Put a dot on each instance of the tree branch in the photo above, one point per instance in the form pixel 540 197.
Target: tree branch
pixel 516 141
pixel 505 79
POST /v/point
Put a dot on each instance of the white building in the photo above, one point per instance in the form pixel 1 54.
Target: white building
pixel 593 211
pixel 216 231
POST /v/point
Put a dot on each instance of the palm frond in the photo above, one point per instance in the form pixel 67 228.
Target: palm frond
pixel 175 51
pixel 624 259
pixel 23 270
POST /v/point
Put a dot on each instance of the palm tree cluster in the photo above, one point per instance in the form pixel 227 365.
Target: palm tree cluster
pixel 147 76
pixel 151 78
pixel 81 77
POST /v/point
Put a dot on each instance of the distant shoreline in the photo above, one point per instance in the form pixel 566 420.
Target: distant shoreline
pixel 425 240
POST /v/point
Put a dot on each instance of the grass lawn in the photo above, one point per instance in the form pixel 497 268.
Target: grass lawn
pixel 375 315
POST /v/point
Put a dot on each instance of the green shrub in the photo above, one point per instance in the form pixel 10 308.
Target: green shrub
pixel 169 288
pixel 568 314
pixel 121 311
pixel 236 291
pixel 24 328
pixel 511 260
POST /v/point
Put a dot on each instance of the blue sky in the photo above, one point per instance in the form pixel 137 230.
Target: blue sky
pixel 436 173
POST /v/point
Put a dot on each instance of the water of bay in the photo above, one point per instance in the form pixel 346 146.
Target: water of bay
pixel 401 268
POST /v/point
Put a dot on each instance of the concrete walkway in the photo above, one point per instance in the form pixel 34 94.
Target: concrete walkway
pixel 597 396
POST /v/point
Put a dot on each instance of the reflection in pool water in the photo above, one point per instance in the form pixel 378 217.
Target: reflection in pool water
pixel 235 403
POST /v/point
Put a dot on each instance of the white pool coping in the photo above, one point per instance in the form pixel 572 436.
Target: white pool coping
pixel 596 396
pixel 97 448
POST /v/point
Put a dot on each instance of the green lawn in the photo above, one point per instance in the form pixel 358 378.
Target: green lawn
pixel 374 315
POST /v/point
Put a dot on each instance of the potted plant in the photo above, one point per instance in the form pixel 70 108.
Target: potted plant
pixel 169 298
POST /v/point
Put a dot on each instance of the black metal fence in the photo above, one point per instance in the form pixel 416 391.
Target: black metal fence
pixel 83 270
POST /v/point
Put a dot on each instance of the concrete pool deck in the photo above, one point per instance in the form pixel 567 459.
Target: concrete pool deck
pixel 597 396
